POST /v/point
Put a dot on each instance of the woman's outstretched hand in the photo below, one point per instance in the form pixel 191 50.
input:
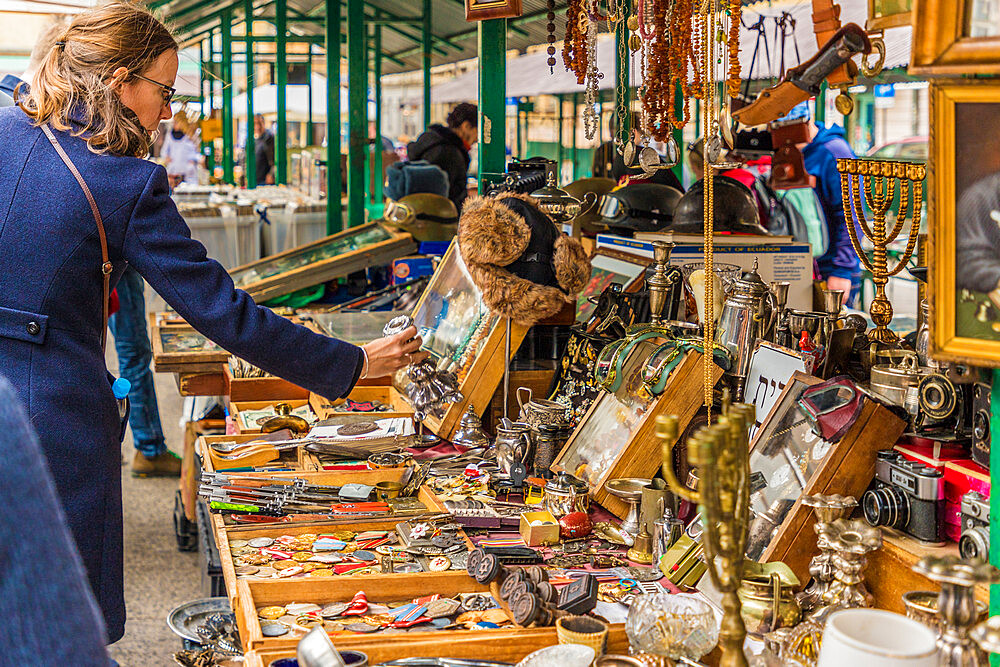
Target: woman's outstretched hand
pixel 387 355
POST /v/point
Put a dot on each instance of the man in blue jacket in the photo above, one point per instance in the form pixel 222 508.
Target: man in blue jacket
pixel 839 266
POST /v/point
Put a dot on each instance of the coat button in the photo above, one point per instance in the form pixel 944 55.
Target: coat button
pixel 33 328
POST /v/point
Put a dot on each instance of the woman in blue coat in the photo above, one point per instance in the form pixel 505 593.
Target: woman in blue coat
pixel 97 97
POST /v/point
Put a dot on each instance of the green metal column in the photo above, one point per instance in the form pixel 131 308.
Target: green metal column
pixel 994 551
pixel 201 78
pixel 377 70
pixel 309 92
pixel 227 94
pixel 517 133
pixel 492 100
pixel 425 60
pixel 622 82
pixel 576 116
pixel 678 134
pixel 821 103
pixel 357 101
pixel 250 159
pixel 559 132
pixel 281 65
pixel 334 210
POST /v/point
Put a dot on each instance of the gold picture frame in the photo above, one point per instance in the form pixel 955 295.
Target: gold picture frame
pixel 948 38
pixel 965 313
pixel 885 14
pixel 480 10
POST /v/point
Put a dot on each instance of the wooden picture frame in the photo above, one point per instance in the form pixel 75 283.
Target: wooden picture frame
pixel 621 425
pixel 454 322
pixel 885 14
pixel 845 467
pixel 948 39
pixel 964 171
pixel 480 10
pixel 317 262
pixel 178 349
pixel 607 267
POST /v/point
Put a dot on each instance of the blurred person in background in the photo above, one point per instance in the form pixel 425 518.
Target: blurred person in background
pixel 448 147
pixel 263 151
pixel 180 153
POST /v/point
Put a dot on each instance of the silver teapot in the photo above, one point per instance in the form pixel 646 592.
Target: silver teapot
pixel 748 315
pixel 513 444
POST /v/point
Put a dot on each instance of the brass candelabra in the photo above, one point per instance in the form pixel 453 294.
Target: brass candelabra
pixel 721 452
pixel 877 178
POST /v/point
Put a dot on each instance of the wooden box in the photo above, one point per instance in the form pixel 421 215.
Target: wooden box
pixel 506 645
pixel 235 408
pixel 317 262
pixel 846 469
pixel 179 349
pixel 454 322
pixel 683 395
pixel 269 388
pixel 389 395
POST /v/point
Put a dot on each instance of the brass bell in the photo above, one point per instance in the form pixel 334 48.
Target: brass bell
pixel 642 549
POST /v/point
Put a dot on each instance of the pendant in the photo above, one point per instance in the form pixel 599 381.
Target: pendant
pixel 628 153
pixel 844 103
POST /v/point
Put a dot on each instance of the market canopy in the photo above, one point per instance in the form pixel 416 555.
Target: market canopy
pixel 528 75
pixel 265 100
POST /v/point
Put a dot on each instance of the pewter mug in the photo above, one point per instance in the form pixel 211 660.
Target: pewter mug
pixel 749 314
pixel 513 444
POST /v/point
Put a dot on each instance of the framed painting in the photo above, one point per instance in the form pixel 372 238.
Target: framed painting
pixel 479 10
pixel 955 37
pixel 317 262
pixel 965 223
pixel 609 267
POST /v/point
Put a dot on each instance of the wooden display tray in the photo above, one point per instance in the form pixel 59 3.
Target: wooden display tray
pixel 398 244
pixel 890 570
pixel 323 407
pixel 235 408
pixel 682 396
pixel 259 389
pixel 187 361
pixel 224 535
pixel 507 645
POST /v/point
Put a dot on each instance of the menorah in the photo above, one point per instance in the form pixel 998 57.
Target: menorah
pixel 878 180
pixel 721 453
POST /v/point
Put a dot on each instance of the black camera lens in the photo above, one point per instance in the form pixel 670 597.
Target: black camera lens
pixel 974 543
pixel 886 506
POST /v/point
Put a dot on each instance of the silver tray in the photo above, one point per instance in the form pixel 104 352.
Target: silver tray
pixel 184 619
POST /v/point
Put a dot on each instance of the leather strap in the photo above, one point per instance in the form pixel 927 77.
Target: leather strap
pixel 826 22
pixel 106 266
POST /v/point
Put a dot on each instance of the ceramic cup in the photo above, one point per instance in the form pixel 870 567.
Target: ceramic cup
pixel 876 638
pixel 584 630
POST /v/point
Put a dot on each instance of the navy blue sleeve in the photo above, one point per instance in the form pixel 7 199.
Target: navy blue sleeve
pixel 158 244
pixel 50 615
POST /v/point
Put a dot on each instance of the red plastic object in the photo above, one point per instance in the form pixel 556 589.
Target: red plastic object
pixel 575 524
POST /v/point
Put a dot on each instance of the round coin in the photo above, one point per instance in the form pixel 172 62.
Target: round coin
pixel 321 572
pixel 299 608
pixel 302 556
pixel 271 613
pixel 333 609
pixel 361 627
pixel 365 555
pixel 439 564
pixel 237 544
pixel 440 622
pixel 265 572
pixel 247 570
pixel 360 428
pixel 273 629
pixel 308 621
pixel 260 542
pixel 284 564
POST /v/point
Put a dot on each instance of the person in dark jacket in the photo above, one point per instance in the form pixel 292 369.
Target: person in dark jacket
pixel 978 237
pixel 263 151
pixel 839 266
pixel 448 147
pixel 95 101
pixel 51 584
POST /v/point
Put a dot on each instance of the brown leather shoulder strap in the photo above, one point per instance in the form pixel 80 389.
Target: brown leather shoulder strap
pixel 106 265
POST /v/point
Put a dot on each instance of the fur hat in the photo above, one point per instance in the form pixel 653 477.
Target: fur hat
pixel 524 266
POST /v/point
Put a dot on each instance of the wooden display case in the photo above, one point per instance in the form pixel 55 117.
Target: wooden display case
pixel 179 349
pixel 235 408
pixel 268 388
pixel 506 644
pixel 390 396
pixel 621 426
pixel 462 336
pixel 317 262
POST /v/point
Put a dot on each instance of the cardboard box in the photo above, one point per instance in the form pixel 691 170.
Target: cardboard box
pixel 777 259
pixel 535 536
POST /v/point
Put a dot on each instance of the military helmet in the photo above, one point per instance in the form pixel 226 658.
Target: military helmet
pixel 735 209
pixel 426 216
pixel 639 207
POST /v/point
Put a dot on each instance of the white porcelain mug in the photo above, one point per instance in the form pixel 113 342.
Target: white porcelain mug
pixel 876 638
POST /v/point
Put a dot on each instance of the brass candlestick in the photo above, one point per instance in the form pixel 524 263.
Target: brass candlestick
pixel 660 283
pixel 721 454
pixel 879 184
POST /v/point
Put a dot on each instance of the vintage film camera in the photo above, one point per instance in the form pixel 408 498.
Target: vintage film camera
pixel 525 176
pixel 981 424
pixel 975 539
pixel 906 495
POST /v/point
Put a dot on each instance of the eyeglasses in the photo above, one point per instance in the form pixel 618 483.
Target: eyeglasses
pixel 167 91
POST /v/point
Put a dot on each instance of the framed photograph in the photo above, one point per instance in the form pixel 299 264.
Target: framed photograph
pixel 965 223
pixel 317 262
pixel 479 10
pixel 955 37
pixel 609 267
pixel 884 14
pixel 177 349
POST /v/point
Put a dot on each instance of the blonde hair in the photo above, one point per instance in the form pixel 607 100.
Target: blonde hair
pixel 73 81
